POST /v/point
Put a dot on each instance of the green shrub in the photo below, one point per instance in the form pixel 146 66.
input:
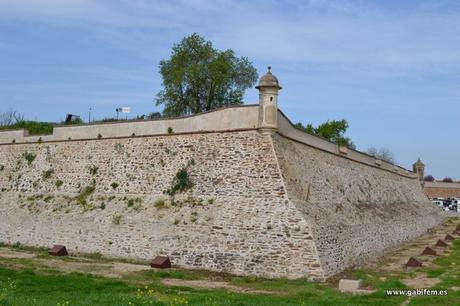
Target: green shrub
pixel 47 174
pixel 181 182
pixel 116 219
pixel 99 136
pixel 2 167
pixel 58 183
pixel 102 206
pixel 30 157
pixel 160 204
pixel 84 194
pixel 170 130
pixel 131 202
pixel 194 217
pixel 93 170
pixel 114 185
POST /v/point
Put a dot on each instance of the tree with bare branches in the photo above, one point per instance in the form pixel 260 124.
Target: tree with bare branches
pixel 10 117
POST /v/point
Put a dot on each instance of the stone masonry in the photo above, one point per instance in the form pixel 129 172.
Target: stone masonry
pixel 266 199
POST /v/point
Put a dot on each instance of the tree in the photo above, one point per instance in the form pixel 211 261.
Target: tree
pixel 10 117
pixel 197 78
pixel 382 153
pixel 447 180
pixel 333 130
pixel 428 178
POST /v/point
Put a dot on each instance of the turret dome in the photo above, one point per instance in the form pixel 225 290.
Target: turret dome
pixel 268 80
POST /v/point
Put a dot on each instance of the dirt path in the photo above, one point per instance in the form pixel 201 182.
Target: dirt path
pixel 111 269
pixel 10 253
pixel 421 281
pixel 204 284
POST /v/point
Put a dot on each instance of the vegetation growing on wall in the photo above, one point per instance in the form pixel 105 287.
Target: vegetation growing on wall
pixel 47 174
pixel 160 204
pixel 84 194
pixel 93 170
pixel 30 157
pixel 180 183
pixel 116 219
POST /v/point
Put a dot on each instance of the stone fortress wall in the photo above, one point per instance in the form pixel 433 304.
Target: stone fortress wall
pixel 267 199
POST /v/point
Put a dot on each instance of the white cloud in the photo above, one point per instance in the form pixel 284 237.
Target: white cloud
pixel 354 36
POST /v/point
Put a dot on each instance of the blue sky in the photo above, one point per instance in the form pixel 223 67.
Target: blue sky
pixel 391 68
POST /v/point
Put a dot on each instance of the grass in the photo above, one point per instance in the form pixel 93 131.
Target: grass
pixel 160 204
pixel 52 287
pixel 34 128
pixel 85 193
pixel 116 219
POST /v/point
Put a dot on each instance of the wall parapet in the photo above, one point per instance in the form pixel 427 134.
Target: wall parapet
pixel 230 118
pixel 233 118
pixel 288 130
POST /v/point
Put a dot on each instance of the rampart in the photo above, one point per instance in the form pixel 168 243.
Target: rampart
pixel 272 203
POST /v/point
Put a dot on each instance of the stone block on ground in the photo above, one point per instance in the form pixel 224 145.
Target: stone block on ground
pixel 413 262
pixel 58 250
pixel 429 251
pixel 349 285
pixel 441 244
pixel 161 262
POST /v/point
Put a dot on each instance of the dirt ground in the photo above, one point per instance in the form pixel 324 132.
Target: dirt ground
pixel 205 284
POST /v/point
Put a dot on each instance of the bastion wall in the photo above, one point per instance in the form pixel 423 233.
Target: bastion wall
pixel 282 204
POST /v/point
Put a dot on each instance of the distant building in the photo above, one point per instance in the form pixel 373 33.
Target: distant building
pixel 436 189
pixel 441 189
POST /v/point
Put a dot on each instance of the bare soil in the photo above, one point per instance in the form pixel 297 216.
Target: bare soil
pixel 204 284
